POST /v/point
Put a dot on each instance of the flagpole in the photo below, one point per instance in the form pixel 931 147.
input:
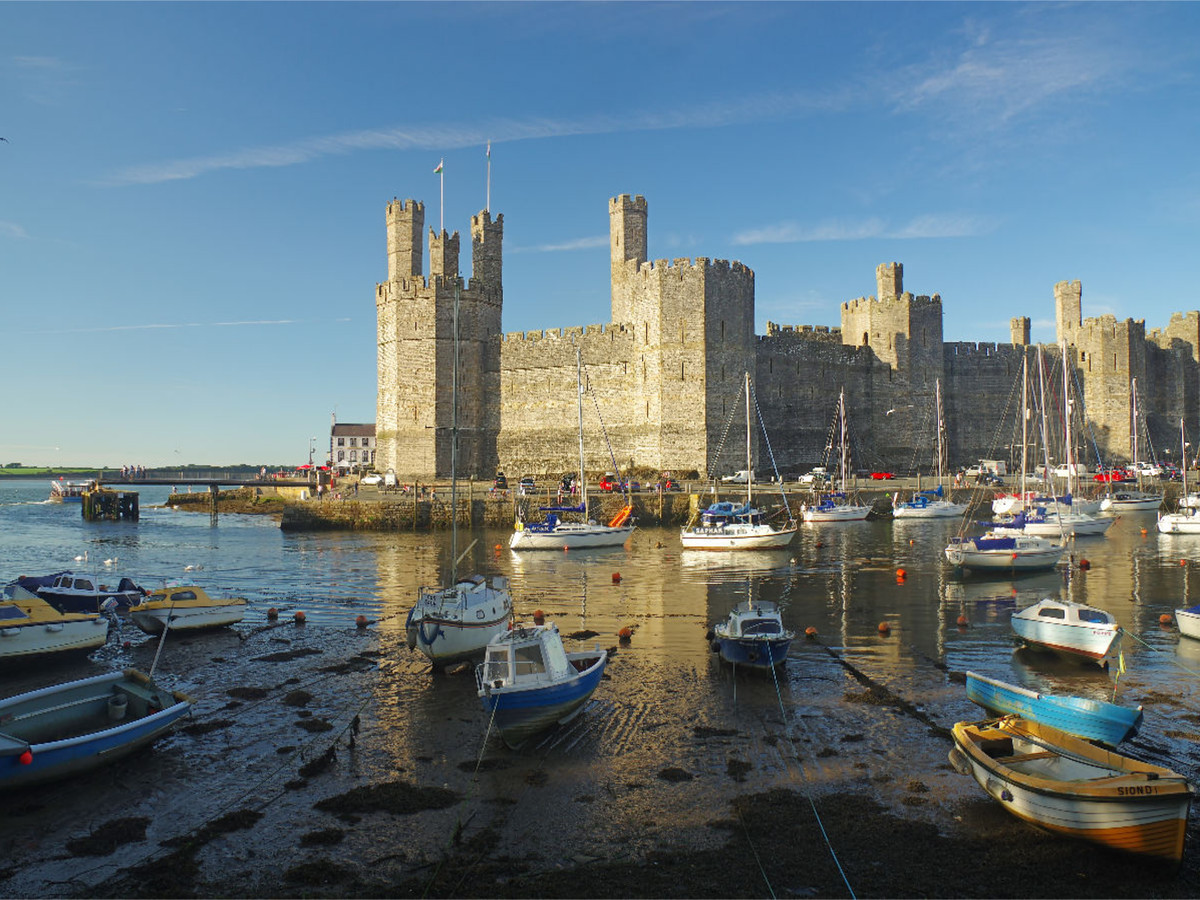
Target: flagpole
pixel 442 196
pixel 488 206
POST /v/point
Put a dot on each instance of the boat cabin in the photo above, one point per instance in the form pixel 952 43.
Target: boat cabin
pixel 1073 613
pixel 525 654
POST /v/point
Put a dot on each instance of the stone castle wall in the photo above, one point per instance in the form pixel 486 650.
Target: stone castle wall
pixel 664 378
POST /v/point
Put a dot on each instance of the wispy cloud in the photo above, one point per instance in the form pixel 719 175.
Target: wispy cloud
pixel 714 114
pixel 164 326
pixel 587 243
pixel 12 230
pixel 43 79
pixel 926 226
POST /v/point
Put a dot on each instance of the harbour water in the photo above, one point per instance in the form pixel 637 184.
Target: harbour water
pixel 668 704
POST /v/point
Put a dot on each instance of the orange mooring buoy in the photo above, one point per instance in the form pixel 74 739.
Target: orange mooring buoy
pixel 885 628
pixel 616 577
pixel 1144 532
pixel 361 621
pixel 1164 619
pixel 497 546
pixel 539 617
pixel 272 614
pixel 963 621
pixel 299 617
pixel 1084 564
pixel 810 631
pixel 625 634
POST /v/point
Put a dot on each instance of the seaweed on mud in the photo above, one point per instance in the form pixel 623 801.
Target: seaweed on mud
pixel 238 820
pixel 584 635
pixel 674 774
pixel 285 750
pixel 248 693
pixel 494 764
pixel 297 698
pixel 198 728
pixel 320 764
pixel 324 837
pixel 400 797
pixel 852 738
pixel 917 787
pixel 537 778
pixel 315 726
pixel 704 731
pixel 737 769
pixel 106 838
pixel 172 875
pixel 287 655
pixel 316 872
pixel 826 752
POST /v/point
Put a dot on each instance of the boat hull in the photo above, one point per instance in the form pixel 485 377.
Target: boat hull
pixel 754 654
pixel 1112 801
pixel 969 555
pixel 1071 526
pixel 570 537
pixel 1188 621
pixel 1179 523
pixel 521 712
pixel 38 639
pixel 152 618
pixel 456 624
pixel 848 513
pixel 737 537
pixel 82 710
pixel 1093 720
pixel 1095 643
pixel 938 509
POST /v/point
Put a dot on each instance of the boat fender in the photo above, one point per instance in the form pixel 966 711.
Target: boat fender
pixel 424 637
pixel 716 646
pixel 710 635
pixel 1006 795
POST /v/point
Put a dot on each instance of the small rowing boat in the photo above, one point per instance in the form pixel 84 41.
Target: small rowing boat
pixel 1070 787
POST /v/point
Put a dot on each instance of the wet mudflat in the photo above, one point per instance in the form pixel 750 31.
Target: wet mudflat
pixel 334 763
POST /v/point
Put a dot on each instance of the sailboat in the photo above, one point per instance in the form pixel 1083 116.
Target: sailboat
pixel 1133 500
pixel 455 623
pixel 837 506
pixel 1187 520
pixel 554 533
pixel 932 504
pixel 1006 549
pixel 726 526
pixel 1055 518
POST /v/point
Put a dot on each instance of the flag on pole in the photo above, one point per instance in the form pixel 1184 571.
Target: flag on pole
pixel 1121 661
pixel 489 150
pixel 438 170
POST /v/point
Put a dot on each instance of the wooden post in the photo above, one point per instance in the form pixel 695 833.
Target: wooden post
pixel 214 492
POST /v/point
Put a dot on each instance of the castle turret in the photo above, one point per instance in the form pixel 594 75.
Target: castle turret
pixel 627 230
pixel 1068 309
pixel 889 280
pixel 405 222
pixel 443 255
pixel 487 258
pixel 1019 329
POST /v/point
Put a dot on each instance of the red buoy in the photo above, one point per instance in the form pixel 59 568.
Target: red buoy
pixel 26 757
pixel 272 614
pixel 625 634
pixel 497 546
pixel 885 628
pixel 299 617
pixel 539 617
pixel 811 631
pixel 616 577
pixel 361 621
pixel 1164 619
pixel 1084 565
pixel 963 621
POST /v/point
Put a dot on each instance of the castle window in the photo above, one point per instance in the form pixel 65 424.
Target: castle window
pixel 866 339
pixel 722 329
pixel 647 410
pixel 770 366
pixel 681 365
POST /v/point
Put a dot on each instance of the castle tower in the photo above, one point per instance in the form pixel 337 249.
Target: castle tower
pixel 1019 328
pixel 1068 309
pixel 627 231
pixel 487 257
pixel 443 256
pixel 889 280
pixel 405 222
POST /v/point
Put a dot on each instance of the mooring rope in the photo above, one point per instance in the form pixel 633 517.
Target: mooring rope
pixel 1157 650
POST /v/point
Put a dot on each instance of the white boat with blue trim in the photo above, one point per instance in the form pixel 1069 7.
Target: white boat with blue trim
pixel 1071 628
pixel 528 682
pixel 753 635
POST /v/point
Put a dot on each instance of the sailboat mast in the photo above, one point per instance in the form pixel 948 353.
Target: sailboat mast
pixel 842 435
pixel 1136 468
pixel 749 470
pixel 454 442
pixel 937 386
pixel 1045 426
pixel 1070 449
pixel 579 392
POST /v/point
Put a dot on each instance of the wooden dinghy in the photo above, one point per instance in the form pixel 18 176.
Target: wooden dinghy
pixel 1073 788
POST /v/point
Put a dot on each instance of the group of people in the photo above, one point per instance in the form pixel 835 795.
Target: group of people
pixel 131 472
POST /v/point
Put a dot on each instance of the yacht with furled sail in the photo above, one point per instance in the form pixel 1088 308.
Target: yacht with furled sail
pixel 455 623
pixel 837 505
pixel 1132 500
pixel 731 526
pixel 556 534
pixel 932 504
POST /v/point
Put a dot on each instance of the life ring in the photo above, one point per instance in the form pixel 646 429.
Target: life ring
pixel 423 637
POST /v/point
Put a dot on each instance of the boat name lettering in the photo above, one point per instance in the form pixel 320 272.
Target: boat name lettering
pixel 1136 790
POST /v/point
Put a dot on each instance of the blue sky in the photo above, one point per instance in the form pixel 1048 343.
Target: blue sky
pixel 192 195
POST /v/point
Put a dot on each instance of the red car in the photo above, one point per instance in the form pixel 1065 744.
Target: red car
pixel 607 484
pixel 1113 475
pixel 882 476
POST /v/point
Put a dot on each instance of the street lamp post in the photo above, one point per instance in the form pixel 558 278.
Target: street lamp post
pixel 312 443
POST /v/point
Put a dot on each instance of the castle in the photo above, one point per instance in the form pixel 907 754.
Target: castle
pixel 663 379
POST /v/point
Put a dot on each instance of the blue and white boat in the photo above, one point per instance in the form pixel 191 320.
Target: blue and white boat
pixel 1001 550
pixel 1093 720
pixel 73 727
pixel 928 505
pixel 753 636
pixel 529 683
pixel 71 593
pixel 1069 628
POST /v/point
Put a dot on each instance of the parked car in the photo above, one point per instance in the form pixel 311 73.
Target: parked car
pixel 739 477
pixel 526 486
pixel 389 480
pixel 882 476
pixel 371 478
pixel 501 482
pixel 608 482
pixel 816 476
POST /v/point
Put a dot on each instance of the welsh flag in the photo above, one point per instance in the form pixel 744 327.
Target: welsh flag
pixel 439 167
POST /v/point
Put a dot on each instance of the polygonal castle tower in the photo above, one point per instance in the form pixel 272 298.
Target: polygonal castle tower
pixel 415 318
